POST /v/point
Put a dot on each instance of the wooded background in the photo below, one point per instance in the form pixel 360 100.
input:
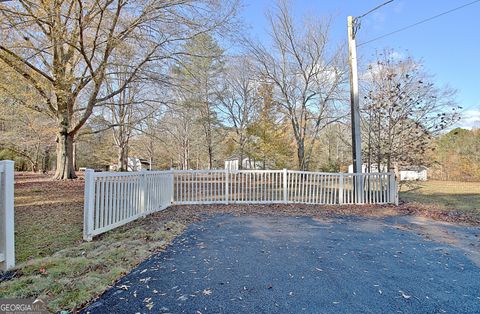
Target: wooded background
pixel 180 83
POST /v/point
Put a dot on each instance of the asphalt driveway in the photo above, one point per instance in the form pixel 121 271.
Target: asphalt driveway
pixel 265 264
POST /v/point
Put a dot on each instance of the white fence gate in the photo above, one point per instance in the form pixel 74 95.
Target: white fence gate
pixel 7 235
pixel 113 199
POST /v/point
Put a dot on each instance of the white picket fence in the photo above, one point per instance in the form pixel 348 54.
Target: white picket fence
pixel 113 199
pixel 281 186
pixel 7 233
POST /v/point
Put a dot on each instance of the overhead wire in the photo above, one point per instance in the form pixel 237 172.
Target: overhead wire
pixel 417 23
pixel 375 8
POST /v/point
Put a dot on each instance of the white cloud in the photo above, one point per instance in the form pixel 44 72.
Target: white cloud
pixel 470 119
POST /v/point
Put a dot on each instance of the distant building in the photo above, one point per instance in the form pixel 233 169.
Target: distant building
pixel 407 173
pixel 413 173
pixel 373 168
pixel 133 164
pixel 233 163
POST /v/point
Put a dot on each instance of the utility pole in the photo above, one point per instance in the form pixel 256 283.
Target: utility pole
pixel 353 26
pixel 354 99
pixel 355 108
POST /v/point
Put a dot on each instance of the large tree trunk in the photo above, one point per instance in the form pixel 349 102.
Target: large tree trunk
pixel 302 166
pixel 123 157
pixel 65 163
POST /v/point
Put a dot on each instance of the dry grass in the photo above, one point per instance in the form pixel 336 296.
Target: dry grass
pixel 48 215
pixel 463 197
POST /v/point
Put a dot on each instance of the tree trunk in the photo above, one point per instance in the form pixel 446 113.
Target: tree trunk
pixel 210 157
pixel 302 166
pixel 123 157
pixel 34 166
pixel 74 156
pixel 46 161
pixel 65 163
pixel 240 165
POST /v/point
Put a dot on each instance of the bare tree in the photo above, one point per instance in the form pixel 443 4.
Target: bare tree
pixel 240 100
pixel 63 50
pixel 125 112
pixel 24 132
pixel 180 126
pixel 307 75
pixel 403 110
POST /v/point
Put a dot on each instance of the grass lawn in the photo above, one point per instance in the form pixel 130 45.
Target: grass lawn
pixel 444 195
pixel 48 215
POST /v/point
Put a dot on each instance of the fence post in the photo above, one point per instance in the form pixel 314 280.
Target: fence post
pixel 361 187
pixel 172 195
pixel 226 185
pixel 285 186
pixel 396 188
pixel 89 205
pixel 143 193
pixel 393 188
pixel 340 190
pixel 7 224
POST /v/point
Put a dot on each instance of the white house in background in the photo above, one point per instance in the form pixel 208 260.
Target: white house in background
pixel 408 173
pixel 413 173
pixel 233 163
pixel 133 164
pixel 373 168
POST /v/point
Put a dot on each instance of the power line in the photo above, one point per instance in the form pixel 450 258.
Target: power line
pixel 419 22
pixel 356 20
pixel 375 8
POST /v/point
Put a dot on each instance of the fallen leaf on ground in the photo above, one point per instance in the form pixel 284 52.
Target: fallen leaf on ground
pixel 405 296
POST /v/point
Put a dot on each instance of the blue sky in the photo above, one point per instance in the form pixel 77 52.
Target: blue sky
pixel 448 45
